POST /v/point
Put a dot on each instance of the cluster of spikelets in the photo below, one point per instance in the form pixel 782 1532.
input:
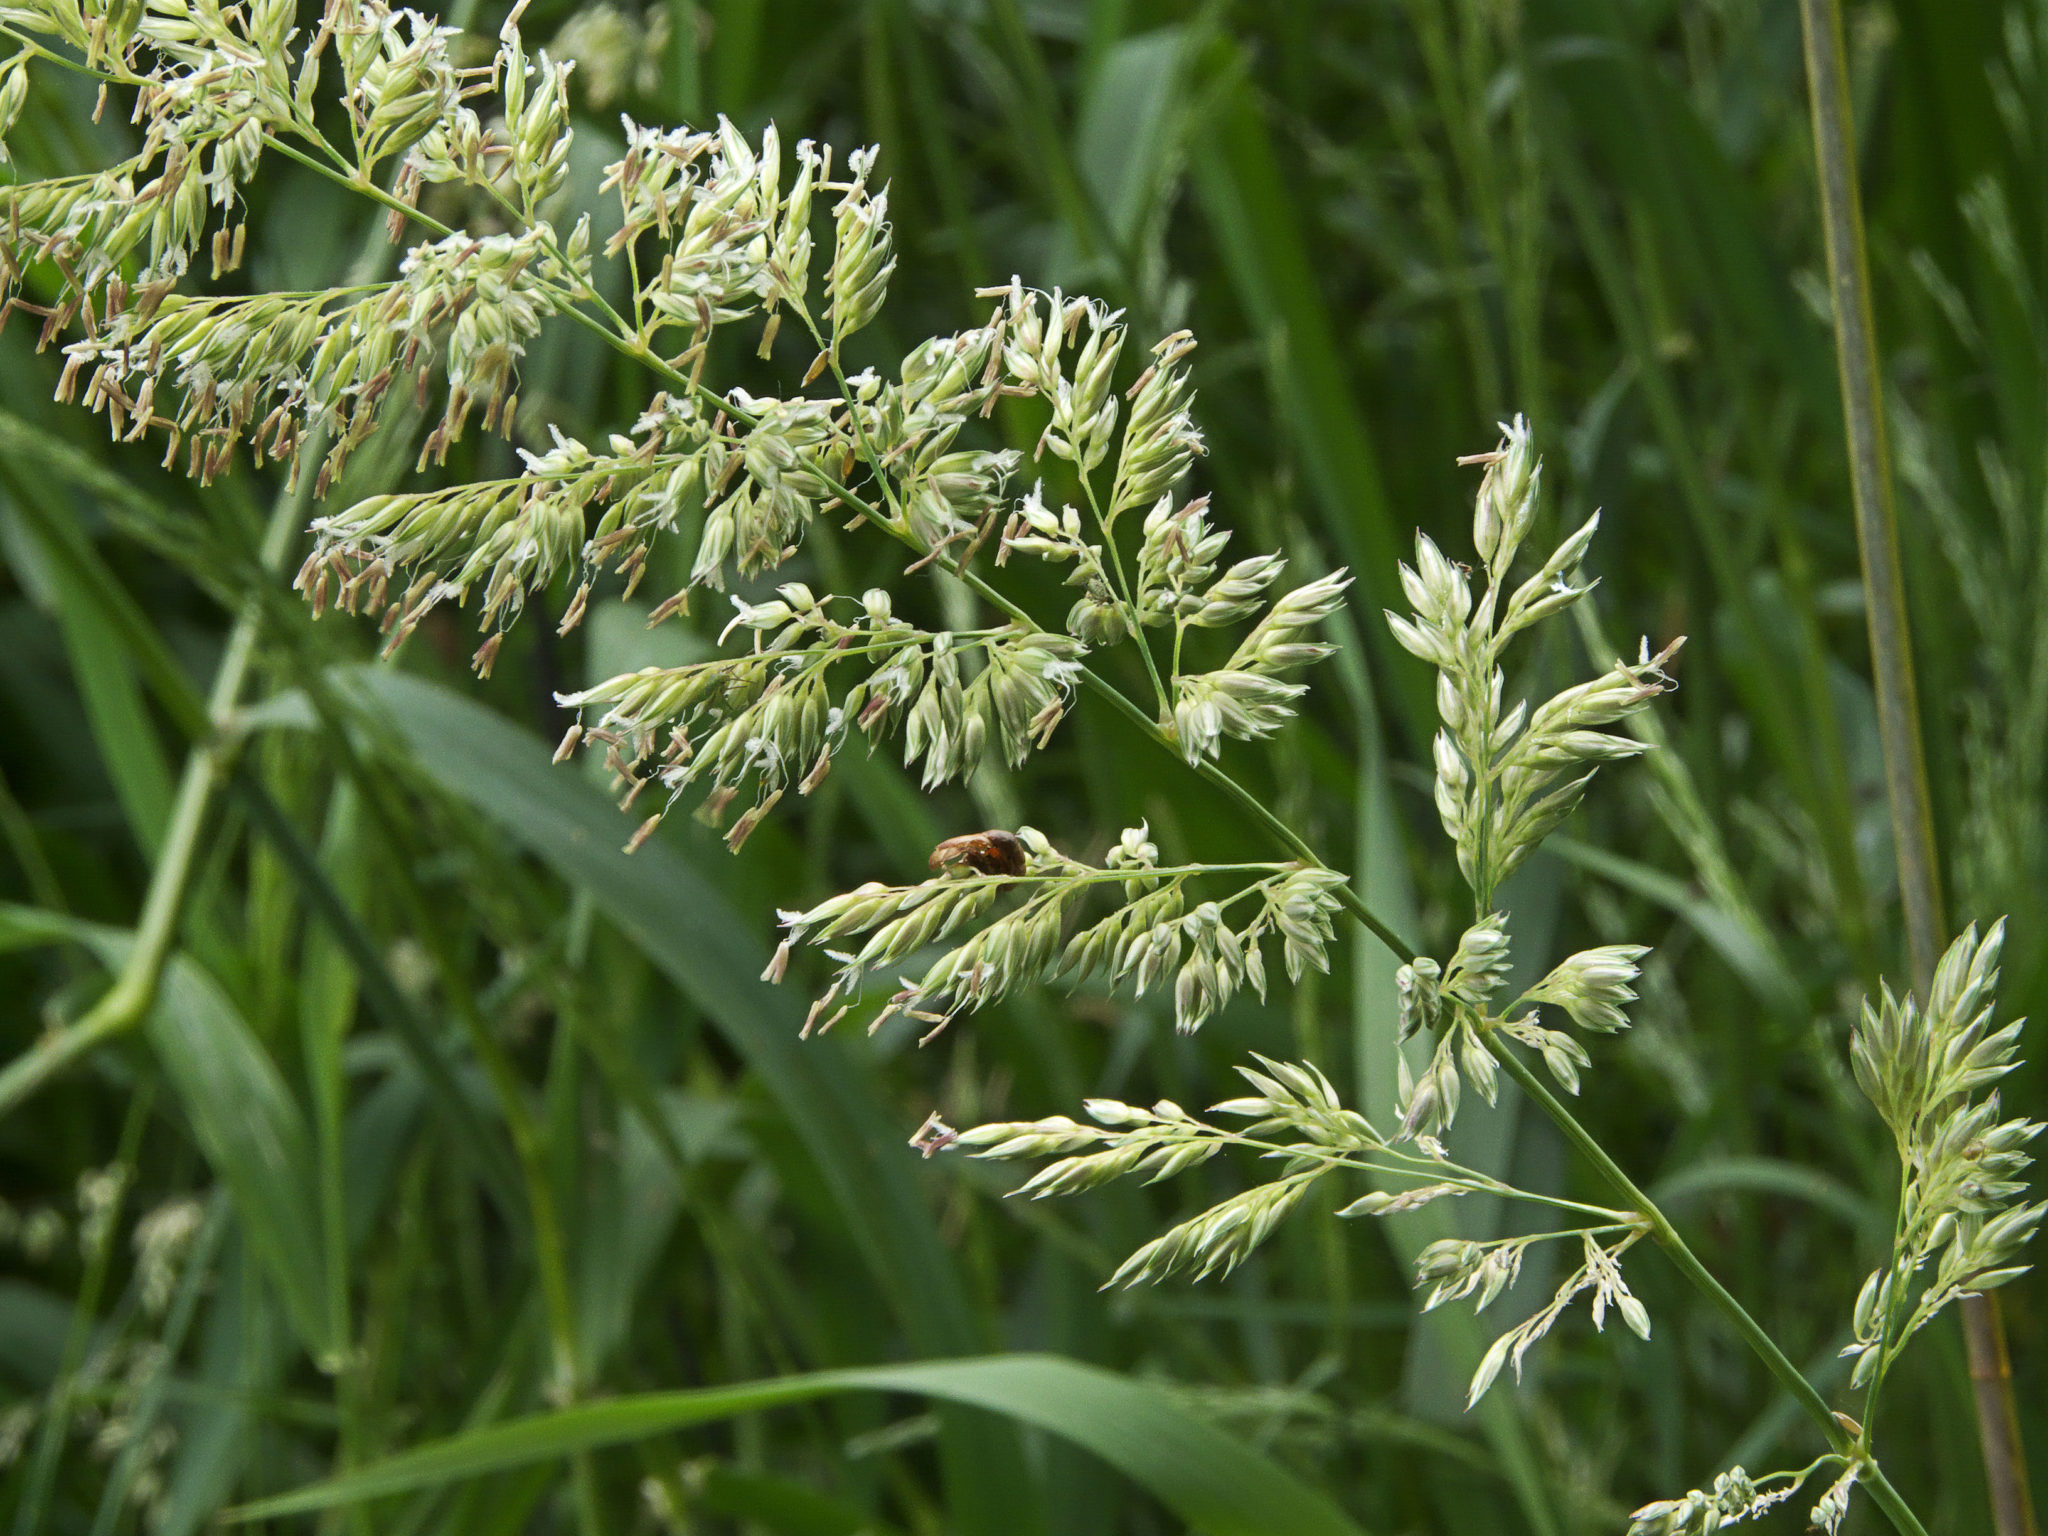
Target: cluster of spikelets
pixel 167 1242
pixel 1924 1065
pixel 1177 584
pixel 1737 1496
pixel 766 468
pixel 214 88
pixel 1159 931
pixel 1296 1120
pixel 770 718
pixel 215 374
pixel 1591 988
pixel 1498 767
pixel 1506 774
pixel 713 229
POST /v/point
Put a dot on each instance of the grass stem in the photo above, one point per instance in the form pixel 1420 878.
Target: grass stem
pixel 1666 1236
pixel 128 1001
pixel 1891 665
pixel 207 767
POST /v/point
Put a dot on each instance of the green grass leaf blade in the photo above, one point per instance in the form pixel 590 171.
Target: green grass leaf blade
pixel 1771 1176
pixel 114 707
pixel 252 1132
pixel 685 926
pixel 1126 137
pixel 242 1113
pixel 784 1506
pixel 1216 1484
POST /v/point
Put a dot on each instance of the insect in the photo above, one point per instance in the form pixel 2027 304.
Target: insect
pixel 988 853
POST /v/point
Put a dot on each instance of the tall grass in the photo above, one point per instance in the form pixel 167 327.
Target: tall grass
pixel 448 1112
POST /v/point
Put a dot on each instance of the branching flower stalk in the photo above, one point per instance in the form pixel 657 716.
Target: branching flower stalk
pixel 1159 932
pixel 1506 775
pixel 717 230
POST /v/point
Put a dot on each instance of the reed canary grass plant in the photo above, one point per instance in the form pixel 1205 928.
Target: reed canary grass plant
pixel 713 230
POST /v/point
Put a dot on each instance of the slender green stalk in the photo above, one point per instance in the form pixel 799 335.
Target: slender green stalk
pixel 1872 1477
pixel 1126 593
pixel 539 1207
pixel 379 990
pixel 128 1001
pixel 550 1247
pixel 1877 532
pixel 1891 661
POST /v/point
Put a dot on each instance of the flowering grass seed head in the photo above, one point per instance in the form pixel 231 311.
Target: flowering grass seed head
pixel 1962 1211
pixel 863 255
pixel 716 228
pixel 1506 776
pixel 1593 986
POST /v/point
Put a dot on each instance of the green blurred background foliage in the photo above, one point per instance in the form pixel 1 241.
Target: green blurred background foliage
pixel 421 995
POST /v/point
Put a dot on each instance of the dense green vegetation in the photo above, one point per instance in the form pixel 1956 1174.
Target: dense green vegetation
pixel 449 1111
